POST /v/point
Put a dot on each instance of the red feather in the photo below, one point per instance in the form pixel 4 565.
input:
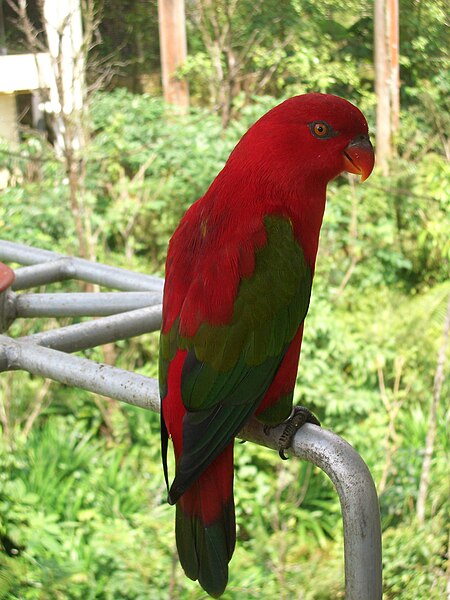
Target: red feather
pixel 280 167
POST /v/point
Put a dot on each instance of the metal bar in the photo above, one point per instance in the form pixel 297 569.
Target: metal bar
pixel 79 268
pixel 113 277
pixel 82 336
pixel 43 273
pixel 344 466
pixel 25 255
pixel 357 495
pixel 80 372
pixel 83 304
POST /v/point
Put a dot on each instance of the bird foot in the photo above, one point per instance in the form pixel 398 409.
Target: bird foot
pixel 299 416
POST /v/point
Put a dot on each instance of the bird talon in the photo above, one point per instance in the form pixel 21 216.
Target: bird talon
pixel 300 415
pixel 282 454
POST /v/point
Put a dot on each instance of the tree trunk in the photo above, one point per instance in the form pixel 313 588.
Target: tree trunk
pixel 393 20
pixel 383 117
pixel 62 21
pixel 173 48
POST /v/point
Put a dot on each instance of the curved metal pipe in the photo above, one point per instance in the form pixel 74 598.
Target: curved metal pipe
pixel 357 495
pixel 344 466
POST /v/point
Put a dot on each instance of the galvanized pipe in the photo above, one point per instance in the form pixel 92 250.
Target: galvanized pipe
pixel 79 268
pixel 82 336
pixel 80 372
pixel 357 495
pixel 24 255
pixel 82 304
pixel 344 466
pixel 42 273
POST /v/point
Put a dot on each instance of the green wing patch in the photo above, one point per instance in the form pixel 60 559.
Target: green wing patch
pixel 269 307
pixel 229 368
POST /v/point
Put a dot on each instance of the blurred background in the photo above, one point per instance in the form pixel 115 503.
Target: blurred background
pixel 114 117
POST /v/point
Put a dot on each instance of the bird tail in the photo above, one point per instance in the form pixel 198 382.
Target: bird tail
pixel 205 525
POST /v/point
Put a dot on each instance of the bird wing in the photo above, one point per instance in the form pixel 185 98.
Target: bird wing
pixel 229 367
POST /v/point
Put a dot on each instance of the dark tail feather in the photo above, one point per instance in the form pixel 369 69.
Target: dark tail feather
pixel 205 551
pixel 205 526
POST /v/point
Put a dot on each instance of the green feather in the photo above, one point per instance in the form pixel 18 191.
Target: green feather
pixel 204 552
pixel 230 367
pixel 268 309
pixel 275 414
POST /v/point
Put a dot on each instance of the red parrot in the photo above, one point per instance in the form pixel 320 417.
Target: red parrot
pixel 238 282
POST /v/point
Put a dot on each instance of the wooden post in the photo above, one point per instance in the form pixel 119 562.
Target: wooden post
pixel 382 88
pixel 393 21
pixel 173 48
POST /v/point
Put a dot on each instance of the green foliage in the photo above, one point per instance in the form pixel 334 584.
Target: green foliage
pixel 75 514
pixel 82 498
pixel 34 208
pixel 420 563
pixel 141 177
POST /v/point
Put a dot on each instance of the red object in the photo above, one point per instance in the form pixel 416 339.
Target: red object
pixel 6 277
pixel 238 280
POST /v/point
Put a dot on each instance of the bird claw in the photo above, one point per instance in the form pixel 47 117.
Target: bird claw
pixel 282 454
pixel 267 429
pixel 300 415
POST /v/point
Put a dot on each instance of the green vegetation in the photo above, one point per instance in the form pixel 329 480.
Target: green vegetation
pixel 82 498
pixel 82 502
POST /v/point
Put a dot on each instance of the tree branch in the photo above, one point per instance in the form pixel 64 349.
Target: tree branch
pixel 432 421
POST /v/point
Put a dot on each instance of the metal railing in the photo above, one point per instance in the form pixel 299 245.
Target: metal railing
pixel 137 310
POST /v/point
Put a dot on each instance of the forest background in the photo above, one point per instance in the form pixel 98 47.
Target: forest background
pixel 82 497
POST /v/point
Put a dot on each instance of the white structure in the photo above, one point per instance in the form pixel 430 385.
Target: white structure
pixel 38 73
pixel 21 73
pixel 63 25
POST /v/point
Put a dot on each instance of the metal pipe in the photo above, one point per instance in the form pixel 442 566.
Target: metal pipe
pixel 113 277
pixel 79 268
pixel 106 330
pixel 83 304
pixel 80 372
pixel 25 255
pixel 357 495
pixel 43 273
pixel 344 466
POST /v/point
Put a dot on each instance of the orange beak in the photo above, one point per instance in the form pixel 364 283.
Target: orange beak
pixel 359 157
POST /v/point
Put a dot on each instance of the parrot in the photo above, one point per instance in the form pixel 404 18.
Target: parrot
pixel 239 272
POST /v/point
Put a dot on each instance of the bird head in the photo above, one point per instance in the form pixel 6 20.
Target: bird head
pixel 309 139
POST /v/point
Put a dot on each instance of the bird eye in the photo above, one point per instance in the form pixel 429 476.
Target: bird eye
pixel 321 130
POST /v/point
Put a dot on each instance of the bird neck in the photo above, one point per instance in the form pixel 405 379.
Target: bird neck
pixel 244 199
pixel 306 213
